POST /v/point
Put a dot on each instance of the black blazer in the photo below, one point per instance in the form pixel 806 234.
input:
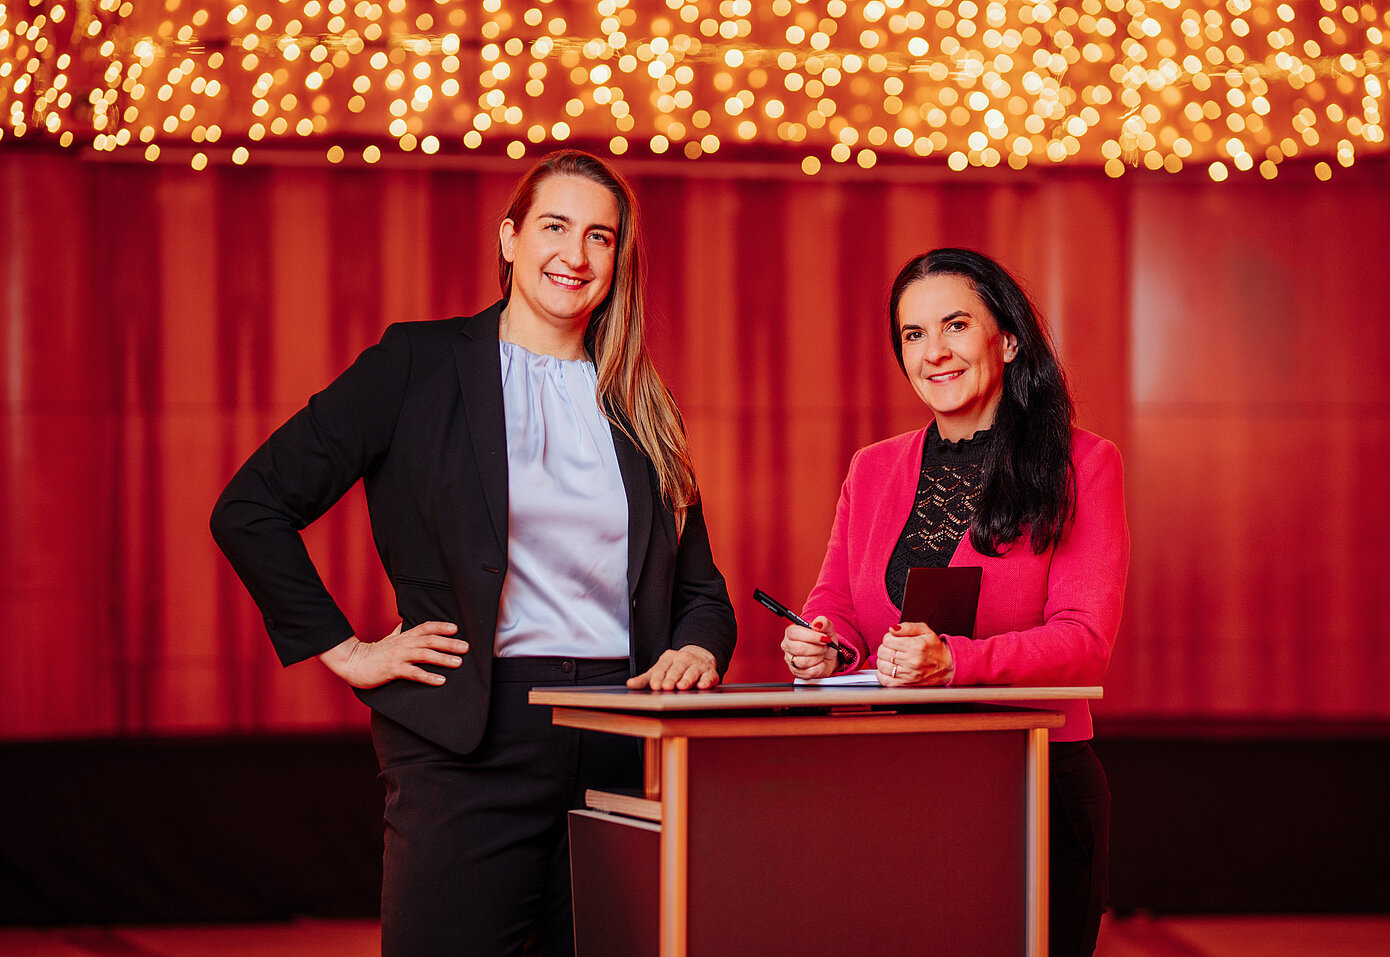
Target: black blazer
pixel 419 418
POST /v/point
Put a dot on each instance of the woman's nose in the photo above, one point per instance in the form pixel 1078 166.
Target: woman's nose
pixel 937 350
pixel 576 253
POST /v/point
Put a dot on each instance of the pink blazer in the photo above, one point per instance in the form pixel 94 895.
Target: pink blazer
pixel 1046 619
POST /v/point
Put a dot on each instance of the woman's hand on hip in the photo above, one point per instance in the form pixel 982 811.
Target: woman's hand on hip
pixel 808 651
pixel 370 664
pixel 913 654
pixel 679 669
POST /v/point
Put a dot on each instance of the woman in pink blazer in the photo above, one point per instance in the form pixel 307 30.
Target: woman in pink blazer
pixel 999 479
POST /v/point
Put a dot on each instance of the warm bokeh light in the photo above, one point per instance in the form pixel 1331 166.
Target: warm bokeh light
pixel 1127 84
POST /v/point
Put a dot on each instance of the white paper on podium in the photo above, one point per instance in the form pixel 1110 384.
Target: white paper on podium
pixel 868 676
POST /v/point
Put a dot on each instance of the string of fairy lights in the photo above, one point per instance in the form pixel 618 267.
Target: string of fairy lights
pixel 1232 86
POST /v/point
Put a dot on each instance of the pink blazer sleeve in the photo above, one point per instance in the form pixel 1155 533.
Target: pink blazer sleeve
pixel 832 595
pixel 1083 597
pixel 874 504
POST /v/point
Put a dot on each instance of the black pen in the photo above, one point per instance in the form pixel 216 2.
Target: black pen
pixel 777 608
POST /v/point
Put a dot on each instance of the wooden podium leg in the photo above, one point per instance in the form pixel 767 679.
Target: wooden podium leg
pixel 1038 824
pixel 651 769
pixel 674 838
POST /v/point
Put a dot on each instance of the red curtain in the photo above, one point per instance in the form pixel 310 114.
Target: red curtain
pixel 159 322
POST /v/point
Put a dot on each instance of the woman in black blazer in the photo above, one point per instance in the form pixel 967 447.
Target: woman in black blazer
pixel 533 502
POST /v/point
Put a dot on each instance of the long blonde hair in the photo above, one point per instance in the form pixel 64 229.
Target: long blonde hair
pixel 629 388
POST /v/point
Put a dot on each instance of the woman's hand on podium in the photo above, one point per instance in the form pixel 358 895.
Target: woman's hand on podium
pixel 809 652
pixel 913 654
pixel 370 664
pixel 679 669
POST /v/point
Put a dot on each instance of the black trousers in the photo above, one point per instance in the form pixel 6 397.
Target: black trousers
pixel 477 846
pixel 1079 872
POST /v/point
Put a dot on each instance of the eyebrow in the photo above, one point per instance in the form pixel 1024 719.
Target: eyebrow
pixel 946 318
pixel 570 222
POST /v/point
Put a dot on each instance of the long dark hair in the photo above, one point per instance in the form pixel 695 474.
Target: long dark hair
pixel 1029 484
pixel 615 337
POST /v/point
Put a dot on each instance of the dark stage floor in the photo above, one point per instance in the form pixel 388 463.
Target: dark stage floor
pixel 1207 936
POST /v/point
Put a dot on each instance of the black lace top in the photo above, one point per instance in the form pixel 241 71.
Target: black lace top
pixel 947 491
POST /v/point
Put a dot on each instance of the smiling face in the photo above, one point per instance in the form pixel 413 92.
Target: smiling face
pixel 562 256
pixel 954 353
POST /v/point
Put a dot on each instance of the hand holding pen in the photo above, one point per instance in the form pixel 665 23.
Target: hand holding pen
pixel 808 656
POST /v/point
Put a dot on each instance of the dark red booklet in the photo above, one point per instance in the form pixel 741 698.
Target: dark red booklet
pixel 945 598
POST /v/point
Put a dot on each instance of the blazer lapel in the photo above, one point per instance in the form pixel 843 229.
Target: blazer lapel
pixel 636 471
pixel 480 379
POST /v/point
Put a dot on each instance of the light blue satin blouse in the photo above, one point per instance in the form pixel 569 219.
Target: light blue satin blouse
pixel 566 587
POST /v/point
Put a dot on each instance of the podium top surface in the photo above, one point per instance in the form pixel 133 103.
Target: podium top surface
pixel 738 697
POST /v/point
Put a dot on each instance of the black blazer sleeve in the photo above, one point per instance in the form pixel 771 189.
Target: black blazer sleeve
pixel 293 478
pixel 701 610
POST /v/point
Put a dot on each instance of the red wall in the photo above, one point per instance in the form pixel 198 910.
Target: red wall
pixel 1232 338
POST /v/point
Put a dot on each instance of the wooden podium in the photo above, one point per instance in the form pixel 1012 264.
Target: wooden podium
pixel 814 820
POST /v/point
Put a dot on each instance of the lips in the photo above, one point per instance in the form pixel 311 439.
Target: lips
pixel 568 282
pixel 945 376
